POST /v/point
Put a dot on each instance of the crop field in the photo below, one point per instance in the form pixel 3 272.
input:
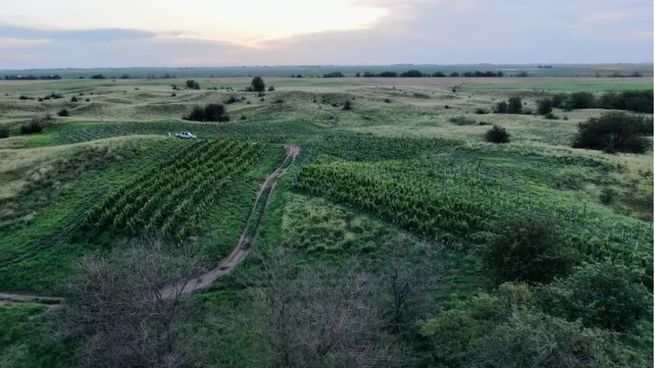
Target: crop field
pixel 394 180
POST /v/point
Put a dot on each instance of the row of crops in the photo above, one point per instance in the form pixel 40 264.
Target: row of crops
pixel 171 197
pixel 274 131
pixel 449 199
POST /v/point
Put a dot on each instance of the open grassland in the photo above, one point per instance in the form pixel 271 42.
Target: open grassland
pixel 400 181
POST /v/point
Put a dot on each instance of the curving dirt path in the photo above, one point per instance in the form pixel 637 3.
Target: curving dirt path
pixel 228 263
pixel 248 235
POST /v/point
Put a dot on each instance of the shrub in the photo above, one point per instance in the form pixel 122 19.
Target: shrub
pixel 514 105
pixel 579 100
pixel 501 108
pixel 192 84
pixel 615 132
pixel 480 111
pixel 601 294
pixel 533 339
pixel 333 75
pixel 412 73
pixel 529 250
pixel 231 100
pixel 23 97
pixel 4 132
pixel 63 112
pixel 544 107
pixel 73 99
pixel 271 89
pixel 551 116
pixel 97 76
pixel 497 134
pixel 257 84
pixel 211 112
pixel 35 125
pixel 347 105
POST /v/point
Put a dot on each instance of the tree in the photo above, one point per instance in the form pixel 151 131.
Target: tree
pixel 579 100
pixel 601 294
pixel 527 249
pixel 615 132
pixel 127 308
pixel 532 339
pixel 192 84
pixel 514 105
pixel 544 107
pixel 211 112
pixel 501 108
pixel 257 84
pixel 497 134
pixel 317 316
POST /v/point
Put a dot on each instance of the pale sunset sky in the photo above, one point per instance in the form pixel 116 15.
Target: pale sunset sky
pixel 123 33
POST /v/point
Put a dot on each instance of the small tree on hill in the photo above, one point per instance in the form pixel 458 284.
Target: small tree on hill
pixel 514 105
pixel 257 84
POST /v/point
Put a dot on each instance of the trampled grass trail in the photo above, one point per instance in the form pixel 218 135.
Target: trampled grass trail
pixel 247 237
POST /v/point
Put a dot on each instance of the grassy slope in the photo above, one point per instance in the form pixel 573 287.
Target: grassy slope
pixel 309 112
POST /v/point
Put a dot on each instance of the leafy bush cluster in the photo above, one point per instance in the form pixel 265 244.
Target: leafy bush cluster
pixel 192 84
pixel 514 105
pixel 637 101
pixel 211 112
pixel 497 134
pixel 615 132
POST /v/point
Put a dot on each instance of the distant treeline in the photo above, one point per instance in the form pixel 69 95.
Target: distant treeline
pixel 418 74
pixel 32 77
pixel 637 101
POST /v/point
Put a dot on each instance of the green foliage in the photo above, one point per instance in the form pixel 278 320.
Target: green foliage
pixel 257 84
pixel 211 112
pixel 527 249
pixel 579 100
pixel 63 112
pixel 497 134
pixel 615 132
pixel 348 105
pixel 514 105
pixel 172 198
pixel 544 107
pixel 192 84
pixel 4 132
pixel 601 294
pixel 501 107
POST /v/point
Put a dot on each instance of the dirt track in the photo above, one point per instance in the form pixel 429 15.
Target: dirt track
pixel 205 280
pixel 248 235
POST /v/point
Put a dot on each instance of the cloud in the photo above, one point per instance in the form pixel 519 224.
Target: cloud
pixel 82 35
pixel 407 31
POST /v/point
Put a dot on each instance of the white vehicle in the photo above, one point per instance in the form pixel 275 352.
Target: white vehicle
pixel 185 135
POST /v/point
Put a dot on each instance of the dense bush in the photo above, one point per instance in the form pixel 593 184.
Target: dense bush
pixel 497 134
pixel 192 84
pixel 544 107
pixel 348 105
pixel 74 99
pixel 35 125
pixel 514 105
pixel 501 108
pixel 4 132
pixel 637 101
pixel 601 294
pixel 411 74
pixel 231 100
pixel 579 100
pixel 333 75
pixel 97 76
pixel 63 112
pixel 529 250
pixel 615 132
pixel 211 112
pixel 257 84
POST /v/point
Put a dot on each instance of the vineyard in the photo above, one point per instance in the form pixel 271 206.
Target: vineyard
pixel 449 198
pixel 273 131
pixel 171 198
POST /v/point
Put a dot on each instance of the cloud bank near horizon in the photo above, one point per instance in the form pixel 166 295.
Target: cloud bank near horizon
pixel 121 33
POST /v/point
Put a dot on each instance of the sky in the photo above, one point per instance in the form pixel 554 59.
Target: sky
pixel 174 33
